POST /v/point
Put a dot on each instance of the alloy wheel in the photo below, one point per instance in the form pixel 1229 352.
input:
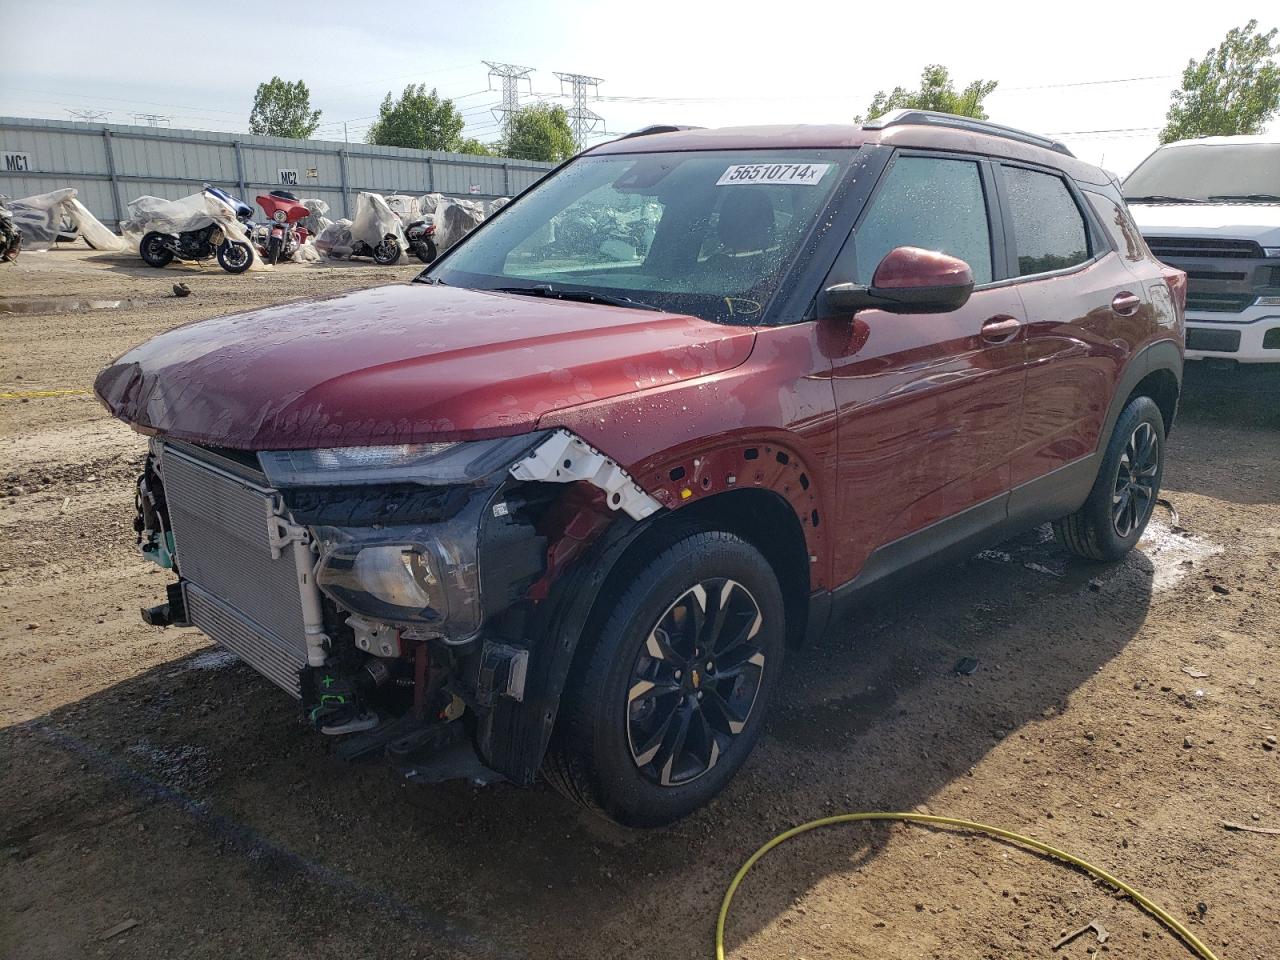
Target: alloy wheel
pixel 694 683
pixel 1135 487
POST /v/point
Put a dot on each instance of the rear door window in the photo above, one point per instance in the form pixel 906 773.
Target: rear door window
pixel 1049 231
pixel 935 203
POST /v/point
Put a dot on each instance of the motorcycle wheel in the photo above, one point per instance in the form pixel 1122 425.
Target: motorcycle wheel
pixel 234 257
pixel 425 250
pixel 275 247
pixel 153 250
pixel 387 252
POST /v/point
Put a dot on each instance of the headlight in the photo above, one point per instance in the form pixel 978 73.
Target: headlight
pixel 426 463
pixel 1271 251
pixel 394 582
pixel 280 216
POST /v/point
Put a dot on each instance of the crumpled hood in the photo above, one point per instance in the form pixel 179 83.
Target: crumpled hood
pixel 1259 222
pixel 402 364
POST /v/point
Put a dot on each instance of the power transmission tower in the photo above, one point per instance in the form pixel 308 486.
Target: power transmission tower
pixel 583 117
pixel 511 75
pixel 152 119
pixel 88 116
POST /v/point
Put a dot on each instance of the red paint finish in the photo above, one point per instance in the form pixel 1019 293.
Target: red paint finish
pixel 928 412
pixel 779 401
pixel 403 364
pixel 909 268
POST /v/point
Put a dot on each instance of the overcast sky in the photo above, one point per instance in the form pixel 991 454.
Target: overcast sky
pixel 704 63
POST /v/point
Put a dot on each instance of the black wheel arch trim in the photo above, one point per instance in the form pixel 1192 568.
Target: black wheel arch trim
pixel 513 736
pixel 1161 355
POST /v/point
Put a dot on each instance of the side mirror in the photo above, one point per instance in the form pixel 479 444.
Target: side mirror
pixel 907 280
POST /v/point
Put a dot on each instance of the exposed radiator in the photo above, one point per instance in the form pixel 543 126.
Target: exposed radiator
pixel 235 592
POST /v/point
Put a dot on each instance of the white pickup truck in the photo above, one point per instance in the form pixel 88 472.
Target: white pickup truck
pixel 1211 207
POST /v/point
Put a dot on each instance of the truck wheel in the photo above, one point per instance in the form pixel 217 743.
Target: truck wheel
pixel 234 257
pixel 1111 521
pixel 153 250
pixel 670 699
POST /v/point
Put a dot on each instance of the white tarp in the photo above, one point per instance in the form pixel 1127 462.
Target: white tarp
pixel 374 221
pixel 46 216
pixel 179 216
pixel 317 220
pixel 453 218
pixel 408 209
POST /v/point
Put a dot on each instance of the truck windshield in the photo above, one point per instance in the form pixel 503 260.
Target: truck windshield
pixel 1207 172
pixel 708 233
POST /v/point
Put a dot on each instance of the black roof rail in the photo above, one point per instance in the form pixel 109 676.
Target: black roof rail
pixel 657 128
pixel 932 118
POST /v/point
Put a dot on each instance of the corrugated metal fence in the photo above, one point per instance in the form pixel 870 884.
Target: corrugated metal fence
pixel 111 164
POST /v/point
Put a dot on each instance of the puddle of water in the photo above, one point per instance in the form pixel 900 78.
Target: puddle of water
pixel 39 306
pixel 1173 555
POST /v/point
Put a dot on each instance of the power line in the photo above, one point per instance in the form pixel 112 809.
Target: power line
pixel 583 117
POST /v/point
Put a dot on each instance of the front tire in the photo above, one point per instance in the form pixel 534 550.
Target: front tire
pixel 387 252
pixel 1112 520
pixel 154 250
pixel 234 257
pixel 275 247
pixel 670 699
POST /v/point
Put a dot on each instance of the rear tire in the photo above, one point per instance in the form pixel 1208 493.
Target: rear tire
pixel 1112 520
pixel 663 709
pixel 425 250
pixel 153 251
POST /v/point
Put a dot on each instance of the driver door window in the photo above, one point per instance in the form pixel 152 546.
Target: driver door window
pixel 931 202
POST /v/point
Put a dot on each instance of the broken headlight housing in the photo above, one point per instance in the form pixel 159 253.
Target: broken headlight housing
pixel 386 552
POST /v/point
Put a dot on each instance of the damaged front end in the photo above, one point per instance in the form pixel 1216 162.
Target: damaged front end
pixel 399 592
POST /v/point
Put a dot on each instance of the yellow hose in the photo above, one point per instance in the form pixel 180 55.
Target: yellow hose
pixel 1163 916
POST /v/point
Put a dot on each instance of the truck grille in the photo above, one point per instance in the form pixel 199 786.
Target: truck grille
pixel 1219 302
pixel 235 592
pixel 1181 248
pixel 1219 341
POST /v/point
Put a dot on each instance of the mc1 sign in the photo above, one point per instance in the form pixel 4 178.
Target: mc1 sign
pixel 17 162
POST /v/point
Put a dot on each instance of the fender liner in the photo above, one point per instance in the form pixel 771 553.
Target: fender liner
pixel 513 737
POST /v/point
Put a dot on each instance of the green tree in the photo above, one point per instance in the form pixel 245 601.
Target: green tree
pixel 539 132
pixel 1234 89
pixel 473 146
pixel 418 119
pixel 936 92
pixel 282 108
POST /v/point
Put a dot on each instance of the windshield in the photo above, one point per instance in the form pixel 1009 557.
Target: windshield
pixel 710 233
pixel 1208 171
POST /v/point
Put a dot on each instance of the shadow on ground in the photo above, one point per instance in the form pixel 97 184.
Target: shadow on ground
pixel 192 794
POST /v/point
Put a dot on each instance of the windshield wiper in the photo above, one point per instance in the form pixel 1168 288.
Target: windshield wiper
pixel 1161 198
pixel 1254 197
pixel 578 296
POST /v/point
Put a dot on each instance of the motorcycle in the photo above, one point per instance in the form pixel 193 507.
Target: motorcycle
pixel 281 238
pixel 422 240
pixel 10 235
pixel 159 248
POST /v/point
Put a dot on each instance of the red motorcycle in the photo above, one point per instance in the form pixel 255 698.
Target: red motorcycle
pixel 280 238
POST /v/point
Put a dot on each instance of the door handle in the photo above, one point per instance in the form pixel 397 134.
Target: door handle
pixel 1126 304
pixel 1001 328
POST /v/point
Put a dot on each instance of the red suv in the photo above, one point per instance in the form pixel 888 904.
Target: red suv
pixel 563 503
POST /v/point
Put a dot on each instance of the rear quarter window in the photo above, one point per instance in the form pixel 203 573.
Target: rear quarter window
pixel 1116 220
pixel 1048 228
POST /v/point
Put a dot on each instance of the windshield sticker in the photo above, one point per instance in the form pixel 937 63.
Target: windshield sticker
pixel 805 174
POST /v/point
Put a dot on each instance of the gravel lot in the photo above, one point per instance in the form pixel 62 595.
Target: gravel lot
pixel 1120 712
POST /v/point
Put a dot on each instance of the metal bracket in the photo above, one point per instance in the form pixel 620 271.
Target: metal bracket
pixel 566 458
pixel 282 533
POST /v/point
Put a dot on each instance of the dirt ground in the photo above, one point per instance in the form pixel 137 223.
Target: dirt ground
pixel 1121 712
